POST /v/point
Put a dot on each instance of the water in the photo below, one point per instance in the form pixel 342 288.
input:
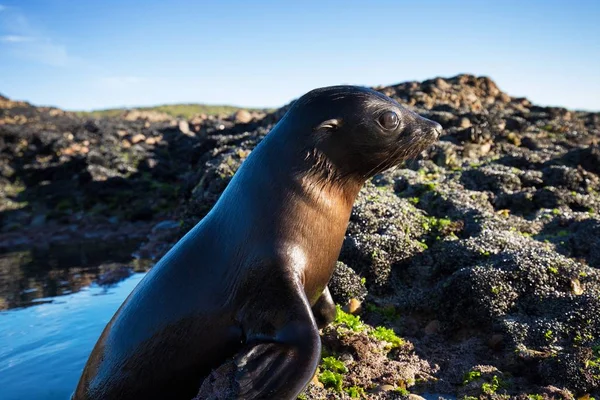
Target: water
pixel 46 339
pixel 54 313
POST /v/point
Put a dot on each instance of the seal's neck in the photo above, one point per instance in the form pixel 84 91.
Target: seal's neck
pixel 321 182
pixel 314 174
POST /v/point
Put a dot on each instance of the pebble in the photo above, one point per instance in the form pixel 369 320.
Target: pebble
pixel 433 327
pixel 315 381
pixel 384 388
pixel 138 138
pixel 165 225
pixel 353 306
pixel 465 123
pixel 576 287
pixel 496 341
pixel 184 127
pixel 242 117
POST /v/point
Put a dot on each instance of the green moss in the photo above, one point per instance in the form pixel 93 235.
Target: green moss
pixel 556 211
pixel 535 397
pixel 492 387
pixel 355 392
pixel 387 335
pixel 433 224
pixel 402 391
pixel 547 128
pixel 331 380
pixel 549 335
pixel 334 365
pixel 351 322
pixel 363 280
pixel 471 376
pixel 422 245
pixel 332 371
pixel 496 289
pixel 553 270
pixel 594 363
pixel 301 396
pixel 430 186
pixel 388 312
pixel 414 200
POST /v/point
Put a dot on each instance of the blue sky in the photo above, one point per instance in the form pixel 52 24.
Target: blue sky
pixel 99 54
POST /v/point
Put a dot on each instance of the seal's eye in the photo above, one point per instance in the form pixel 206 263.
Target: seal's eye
pixel 389 120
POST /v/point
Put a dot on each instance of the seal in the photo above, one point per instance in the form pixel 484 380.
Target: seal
pixel 249 282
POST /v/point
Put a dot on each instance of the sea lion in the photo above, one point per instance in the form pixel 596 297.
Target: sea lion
pixel 249 281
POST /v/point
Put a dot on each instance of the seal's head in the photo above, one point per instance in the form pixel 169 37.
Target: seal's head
pixel 356 132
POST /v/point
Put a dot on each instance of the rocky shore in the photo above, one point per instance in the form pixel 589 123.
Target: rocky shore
pixel 472 272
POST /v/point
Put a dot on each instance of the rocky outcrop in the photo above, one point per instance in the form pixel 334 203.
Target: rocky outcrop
pixel 482 256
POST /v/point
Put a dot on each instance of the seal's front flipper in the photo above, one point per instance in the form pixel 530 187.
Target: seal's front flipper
pixel 324 309
pixel 275 371
pixel 282 347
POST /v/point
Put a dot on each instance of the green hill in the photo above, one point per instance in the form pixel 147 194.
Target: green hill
pixel 175 110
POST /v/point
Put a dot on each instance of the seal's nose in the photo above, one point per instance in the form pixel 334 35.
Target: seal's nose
pixel 430 128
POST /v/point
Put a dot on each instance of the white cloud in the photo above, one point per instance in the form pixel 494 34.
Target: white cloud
pixel 29 42
pixel 15 38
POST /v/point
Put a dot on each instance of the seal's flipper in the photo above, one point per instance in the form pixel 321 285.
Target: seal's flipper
pixel 274 371
pixel 324 309
pixel 282 347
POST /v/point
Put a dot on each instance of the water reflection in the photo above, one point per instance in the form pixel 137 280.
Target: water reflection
pixel 28 275
pixel 43 349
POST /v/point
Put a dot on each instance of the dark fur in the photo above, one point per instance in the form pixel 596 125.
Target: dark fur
pixel 250 279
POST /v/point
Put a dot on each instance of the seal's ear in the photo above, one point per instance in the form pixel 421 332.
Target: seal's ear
pixel 329 125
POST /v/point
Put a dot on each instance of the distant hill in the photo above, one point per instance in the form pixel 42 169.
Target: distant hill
pixel 174 110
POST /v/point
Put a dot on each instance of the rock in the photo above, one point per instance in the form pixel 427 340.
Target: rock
pixel 220 384
pixel 138 138
pixel 353 306
pixel 464 123
pixel 91 126
pixel 433 327
pixel 38 220
pixel 242 117
pixel 496 342
pixel 486 246
pixel 114 276
pixel 346 285
pixel 383 388
pixel 315 381
pixel 165 225
pixel 576 287
pixel 184 127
